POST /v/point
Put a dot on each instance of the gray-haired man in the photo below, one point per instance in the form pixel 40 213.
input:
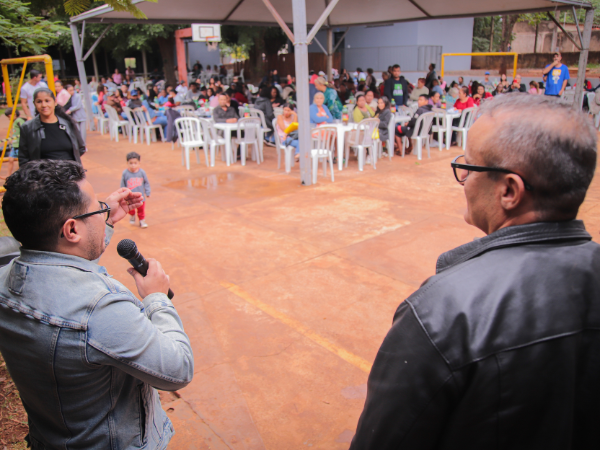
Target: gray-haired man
pixel 501 348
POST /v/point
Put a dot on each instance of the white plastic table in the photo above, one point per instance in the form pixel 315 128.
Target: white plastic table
pixel 451 114
pixel 401 118
pixel 341 134
pixel 226 128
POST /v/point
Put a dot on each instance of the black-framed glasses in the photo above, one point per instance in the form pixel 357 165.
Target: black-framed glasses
pixel 462 171
pixel 105 210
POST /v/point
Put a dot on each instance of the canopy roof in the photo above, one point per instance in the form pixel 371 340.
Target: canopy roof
pixel 346 13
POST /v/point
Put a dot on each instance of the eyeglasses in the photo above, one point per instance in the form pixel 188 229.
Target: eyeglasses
pixel 105 210
pixel 462 171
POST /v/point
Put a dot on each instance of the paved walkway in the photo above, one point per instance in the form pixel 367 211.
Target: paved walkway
pixel 285 291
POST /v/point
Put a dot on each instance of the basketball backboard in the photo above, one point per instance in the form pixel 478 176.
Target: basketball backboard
pixel 206 32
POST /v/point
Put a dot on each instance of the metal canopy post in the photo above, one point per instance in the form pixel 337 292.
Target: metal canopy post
pixel 330 54
pixel 87 98
pixel 302 100
pixel 583 58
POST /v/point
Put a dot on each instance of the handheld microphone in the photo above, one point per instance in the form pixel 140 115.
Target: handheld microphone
pixel 128 250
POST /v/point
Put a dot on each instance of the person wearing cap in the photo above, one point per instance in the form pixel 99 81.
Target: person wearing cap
pixel 332 101
pixel 134 101
pixel 487 84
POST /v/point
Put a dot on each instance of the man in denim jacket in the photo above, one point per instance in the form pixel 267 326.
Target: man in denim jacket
pixel 86 355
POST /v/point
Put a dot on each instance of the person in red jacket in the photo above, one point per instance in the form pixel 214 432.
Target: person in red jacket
pixel 463 102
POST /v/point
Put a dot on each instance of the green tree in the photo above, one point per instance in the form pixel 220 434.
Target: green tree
pixel 253 42
pixel 482 31
pixel 22 31
pixel 123 38
pixel 534 20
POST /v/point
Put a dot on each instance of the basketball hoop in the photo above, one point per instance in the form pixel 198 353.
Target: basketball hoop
pixel 211 46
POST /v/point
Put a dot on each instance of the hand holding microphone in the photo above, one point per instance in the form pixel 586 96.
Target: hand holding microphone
pixel 148 274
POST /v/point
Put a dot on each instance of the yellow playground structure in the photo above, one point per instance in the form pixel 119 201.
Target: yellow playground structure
pixel 9 97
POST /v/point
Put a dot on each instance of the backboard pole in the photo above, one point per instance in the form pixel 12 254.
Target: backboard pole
pixel 302 100
pixel 87 96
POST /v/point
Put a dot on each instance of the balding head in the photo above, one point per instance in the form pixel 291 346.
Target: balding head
pixel 550 144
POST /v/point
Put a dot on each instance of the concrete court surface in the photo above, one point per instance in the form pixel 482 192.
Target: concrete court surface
pixel 285 291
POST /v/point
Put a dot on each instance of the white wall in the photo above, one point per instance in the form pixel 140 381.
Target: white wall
pixel 197 51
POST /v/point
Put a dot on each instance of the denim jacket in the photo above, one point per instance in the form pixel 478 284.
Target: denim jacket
pixel 87 356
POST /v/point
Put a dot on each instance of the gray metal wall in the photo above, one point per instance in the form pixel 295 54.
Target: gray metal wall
pixel 197 51
pixel 412 58
pixel 413 45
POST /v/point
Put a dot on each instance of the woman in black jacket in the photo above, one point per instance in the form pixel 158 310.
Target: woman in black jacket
pixel 384 115
pixel 51 134
pixel 263 102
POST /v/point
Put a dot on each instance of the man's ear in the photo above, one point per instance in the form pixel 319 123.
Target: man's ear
pixel 70 231
pixel 513 192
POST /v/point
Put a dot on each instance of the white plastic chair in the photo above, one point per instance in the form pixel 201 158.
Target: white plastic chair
pixel 594 107
pixel 134 128
pixel 568 96
pixel 147 127
pixel 115 122
pixel 263 127
pixel 440 126
pixel 190 137
pixel 278 111
pixel 214 141
pixel 249 127
pixel 183 108
pixel 363 141
pixel 288 151
pixel 323 148
pixel 101 121
pixel 421 134
pixel 466 120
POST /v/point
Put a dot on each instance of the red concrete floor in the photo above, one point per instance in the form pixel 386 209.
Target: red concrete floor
pixel 285 291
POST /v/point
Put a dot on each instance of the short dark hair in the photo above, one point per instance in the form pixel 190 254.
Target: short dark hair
pixel 9 111
pixel 395 66
pixel 133 155
pixel 465 90
pixel 39 199
pixel 552 146
pixel 34 73
pixel 425 96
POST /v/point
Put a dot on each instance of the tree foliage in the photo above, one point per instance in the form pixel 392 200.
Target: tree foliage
pixel 24 32
pixel 482 29
pixel 123 38
pixel 74 7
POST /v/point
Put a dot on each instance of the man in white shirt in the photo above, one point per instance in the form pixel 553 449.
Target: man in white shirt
pixel 182 88
pixel 27 90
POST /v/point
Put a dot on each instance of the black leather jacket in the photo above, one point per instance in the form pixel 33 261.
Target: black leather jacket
pixel 32 134
pixel 499 350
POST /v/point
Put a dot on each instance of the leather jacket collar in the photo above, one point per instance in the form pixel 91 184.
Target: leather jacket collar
pixel 511 236
pixel 37 123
